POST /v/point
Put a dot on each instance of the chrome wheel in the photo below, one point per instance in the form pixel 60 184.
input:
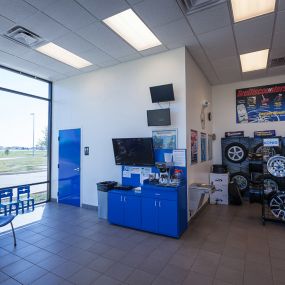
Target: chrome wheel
pixel 276 166
pixel 277 205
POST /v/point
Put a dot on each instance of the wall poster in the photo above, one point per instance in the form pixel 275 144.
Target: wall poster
pixel 261 104
pixel 203 147
pixel 210 147
pixel 164 139
pixel 194 147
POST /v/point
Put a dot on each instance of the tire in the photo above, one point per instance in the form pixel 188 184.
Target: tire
pixel 276 205
pixel 270 182
pixel 241 179
pixel 236 152
pixel 273 150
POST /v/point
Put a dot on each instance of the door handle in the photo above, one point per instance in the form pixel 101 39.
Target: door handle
pixel 125 199
pixel 121 198
pixel 154 203
pixel 159 204
pixel 76 169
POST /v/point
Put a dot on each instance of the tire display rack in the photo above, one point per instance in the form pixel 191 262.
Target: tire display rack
pixel 273 195
pixel 243 157
pixel 235 155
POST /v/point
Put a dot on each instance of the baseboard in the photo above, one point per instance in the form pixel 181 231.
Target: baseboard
pixel 90 207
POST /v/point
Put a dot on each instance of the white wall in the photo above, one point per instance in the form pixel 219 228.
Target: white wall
pixel 110 103
pixel 224 113
pixel 198 89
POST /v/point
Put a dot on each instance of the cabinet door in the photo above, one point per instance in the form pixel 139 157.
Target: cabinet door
pixel 115 208
pixel 149 214
pixel 132 211
pixel 167 218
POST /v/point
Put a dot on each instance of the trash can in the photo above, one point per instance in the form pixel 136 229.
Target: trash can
pixel 103 188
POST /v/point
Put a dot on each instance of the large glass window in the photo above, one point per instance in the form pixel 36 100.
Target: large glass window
pixel 24 133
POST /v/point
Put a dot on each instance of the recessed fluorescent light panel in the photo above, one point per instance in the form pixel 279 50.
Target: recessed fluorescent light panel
pixel 247 9
pixel 133 30
pixel 254 60
pixel 63 55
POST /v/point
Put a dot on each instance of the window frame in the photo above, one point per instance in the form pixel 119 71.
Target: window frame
pixel 49 100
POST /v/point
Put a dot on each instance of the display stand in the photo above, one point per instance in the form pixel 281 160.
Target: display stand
pixel 270 204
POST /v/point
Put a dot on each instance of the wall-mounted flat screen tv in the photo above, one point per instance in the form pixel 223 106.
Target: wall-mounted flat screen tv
pixel 159 117
pixel 162 93
pixel 134 151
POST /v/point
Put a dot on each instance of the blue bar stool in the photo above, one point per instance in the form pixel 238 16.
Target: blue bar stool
pixel 7 194
pixel 23 195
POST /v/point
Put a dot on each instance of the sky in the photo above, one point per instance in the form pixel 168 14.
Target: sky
pixel 16 121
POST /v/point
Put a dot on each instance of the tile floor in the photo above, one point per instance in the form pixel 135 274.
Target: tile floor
pixel 224 245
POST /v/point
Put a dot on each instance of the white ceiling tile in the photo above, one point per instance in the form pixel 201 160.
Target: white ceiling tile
pixel 133 2
pixel 96 56
pixel 25 66
pixel 43 60
pixel 74 43
pixel 280 22
pixel 109 63
pixel 254 74
pixel 175 34
pixel 276 53
pixel 281 5
pixel 279 41
pixel 276 71
pixel 5 25
pixel 229 74
pixel 58 77
pixel 70 14
pixel 16 10
pixel 254 34
pixel 210 19
pixel 153 50
pixel 159 12
pixel 202 61
pixel 223 63
pixel 44 26
pixel 41 4
pixel 12 47
pixel 106 40
pixel 103 9
pixel 219 43
pixel 130 57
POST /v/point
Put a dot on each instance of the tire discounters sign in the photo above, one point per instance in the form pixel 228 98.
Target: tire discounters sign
pixel 261 104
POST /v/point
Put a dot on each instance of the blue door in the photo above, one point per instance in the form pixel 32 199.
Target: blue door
pixel 149 214
pixel 167 218
pixel 115 208
pixel 69 167
pixel 132 211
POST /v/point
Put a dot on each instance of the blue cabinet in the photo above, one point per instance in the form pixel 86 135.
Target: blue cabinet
pixel 168 218
pixel 161 210
pixel 115 203
pixel 132 211
pixel 124 209
pixel 149 214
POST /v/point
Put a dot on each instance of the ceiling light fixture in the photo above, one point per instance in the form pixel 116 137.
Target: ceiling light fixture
pixel 133 30
pixel 63 55
pixel 254 60
pixel 247 9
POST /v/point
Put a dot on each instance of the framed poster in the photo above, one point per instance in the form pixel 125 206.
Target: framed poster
pixel 203 147
pixel 260 104
pixel 165 139
pixel 210 147
pixel 194 146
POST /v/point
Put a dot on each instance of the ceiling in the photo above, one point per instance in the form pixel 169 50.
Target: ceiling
pixel 76 25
